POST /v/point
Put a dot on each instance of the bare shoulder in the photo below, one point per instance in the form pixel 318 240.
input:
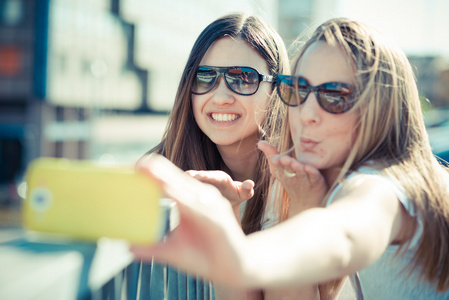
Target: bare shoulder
pixel 366 187
pixel 376 196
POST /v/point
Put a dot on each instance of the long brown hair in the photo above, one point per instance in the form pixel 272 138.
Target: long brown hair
pixel 183 141
pixel 391 133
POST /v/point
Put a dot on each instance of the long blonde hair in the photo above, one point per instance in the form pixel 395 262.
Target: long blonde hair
pixel 391 133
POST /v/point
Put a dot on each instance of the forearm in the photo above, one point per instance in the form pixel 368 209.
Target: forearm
pixel 296 207
pixel 305 250
pixel 322 244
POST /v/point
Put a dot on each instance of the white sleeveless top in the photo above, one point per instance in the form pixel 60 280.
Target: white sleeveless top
pixel 385 279
pixel 270 217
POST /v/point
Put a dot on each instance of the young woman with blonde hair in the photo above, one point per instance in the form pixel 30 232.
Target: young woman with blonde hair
pixel 354 115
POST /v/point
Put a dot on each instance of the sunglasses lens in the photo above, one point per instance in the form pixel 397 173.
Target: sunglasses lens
pixel 336 97
pixel 243 81
pixel 286 90
pixel 302 89
pixel 205 80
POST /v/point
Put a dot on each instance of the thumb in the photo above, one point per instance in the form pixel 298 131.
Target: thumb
pixel 268 149
pixel 245 189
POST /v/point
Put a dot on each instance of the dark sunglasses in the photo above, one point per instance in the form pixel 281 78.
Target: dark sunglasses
pixel 333 97
pixel 241 80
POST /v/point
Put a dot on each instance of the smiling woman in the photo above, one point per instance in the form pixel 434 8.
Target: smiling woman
pixel 232 109
pixel 223 107
pixel 222 104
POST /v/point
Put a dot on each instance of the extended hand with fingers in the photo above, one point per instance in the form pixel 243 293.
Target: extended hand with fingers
pixel 207 234
pixel 304 184
pixel 235 191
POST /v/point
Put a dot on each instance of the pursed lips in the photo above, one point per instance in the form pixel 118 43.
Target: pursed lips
pixel 308 144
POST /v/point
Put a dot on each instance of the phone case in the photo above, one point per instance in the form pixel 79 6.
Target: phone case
pixel 85 201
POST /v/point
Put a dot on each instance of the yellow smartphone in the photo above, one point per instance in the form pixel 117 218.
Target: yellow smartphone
pixel 86 201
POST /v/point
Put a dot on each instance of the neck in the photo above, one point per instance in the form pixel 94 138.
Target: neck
pixel 330 175
pixel 240 160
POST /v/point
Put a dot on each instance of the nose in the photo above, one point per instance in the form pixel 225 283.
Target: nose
pixel 221 93
pixel 310 110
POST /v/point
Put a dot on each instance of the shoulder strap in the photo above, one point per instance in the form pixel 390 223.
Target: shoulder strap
pixel 355 282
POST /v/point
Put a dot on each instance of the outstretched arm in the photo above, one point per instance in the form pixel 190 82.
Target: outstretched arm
pixel 321 244
pixel 317 245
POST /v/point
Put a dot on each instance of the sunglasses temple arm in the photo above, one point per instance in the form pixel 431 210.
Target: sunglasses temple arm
pixel 268 78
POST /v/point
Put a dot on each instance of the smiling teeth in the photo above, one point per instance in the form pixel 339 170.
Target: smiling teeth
pixel 224 117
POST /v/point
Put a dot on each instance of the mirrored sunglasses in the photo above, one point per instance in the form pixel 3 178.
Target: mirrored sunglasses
pixel 333 97
pixel 241 80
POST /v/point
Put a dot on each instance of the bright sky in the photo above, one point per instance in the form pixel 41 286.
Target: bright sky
pixel 417 26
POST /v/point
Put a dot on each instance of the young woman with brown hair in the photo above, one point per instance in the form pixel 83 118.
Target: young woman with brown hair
pixel 223 107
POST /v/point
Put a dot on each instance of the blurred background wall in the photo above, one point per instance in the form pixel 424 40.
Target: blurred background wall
pixel 95 79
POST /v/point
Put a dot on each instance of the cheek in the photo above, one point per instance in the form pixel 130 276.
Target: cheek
pixel 344 136
pixel 259 106
pixel 196 105
pixel 352 129
pixel 293 120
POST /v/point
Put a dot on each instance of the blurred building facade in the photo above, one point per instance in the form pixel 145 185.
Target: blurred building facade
pixel 432 75
pixel 298 17
pixel 80 77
